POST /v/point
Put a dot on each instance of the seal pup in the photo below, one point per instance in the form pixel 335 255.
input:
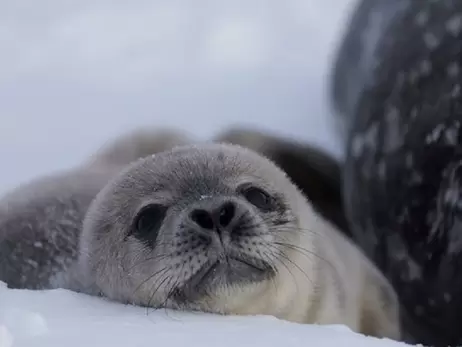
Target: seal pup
pixel 314 171
pixel 220 228
pixel 397 86
pixel 40 221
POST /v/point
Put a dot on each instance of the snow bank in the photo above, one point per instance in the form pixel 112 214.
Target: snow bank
pixel 63 318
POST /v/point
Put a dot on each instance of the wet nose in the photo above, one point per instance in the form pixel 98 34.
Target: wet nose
pixel 213 218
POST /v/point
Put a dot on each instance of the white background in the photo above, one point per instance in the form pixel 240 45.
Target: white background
pixel 75 73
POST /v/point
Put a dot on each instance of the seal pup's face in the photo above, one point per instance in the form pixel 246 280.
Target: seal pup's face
pixel 204 227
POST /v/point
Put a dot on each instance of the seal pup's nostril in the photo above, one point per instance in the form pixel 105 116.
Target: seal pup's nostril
pixel 202 218
pixel 226 214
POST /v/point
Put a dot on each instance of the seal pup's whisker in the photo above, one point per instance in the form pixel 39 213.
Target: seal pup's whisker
pixel 160 272
pixel 282 258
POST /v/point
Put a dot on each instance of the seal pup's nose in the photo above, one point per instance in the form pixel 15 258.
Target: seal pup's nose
pixel 215 218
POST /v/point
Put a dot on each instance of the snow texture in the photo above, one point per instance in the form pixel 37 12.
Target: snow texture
pixel 76 73
pixel 63 318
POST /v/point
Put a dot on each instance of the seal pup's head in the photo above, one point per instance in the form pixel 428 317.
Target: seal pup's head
pixel 210 227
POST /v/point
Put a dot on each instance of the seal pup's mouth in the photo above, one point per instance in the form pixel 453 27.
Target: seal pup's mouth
pixel 226 271
pixel 221 247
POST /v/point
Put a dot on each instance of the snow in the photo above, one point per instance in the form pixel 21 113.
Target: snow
pixel 76 73
pixel 63 318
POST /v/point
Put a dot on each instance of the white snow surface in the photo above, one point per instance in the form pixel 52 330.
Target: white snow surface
pixel 63 318
pixel 75 74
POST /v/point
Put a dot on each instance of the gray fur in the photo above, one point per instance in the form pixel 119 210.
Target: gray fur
pixel 287 262
pixel 314 171
pixel 40 226
pixel 180 179
pixel 312 274
pixel 40 222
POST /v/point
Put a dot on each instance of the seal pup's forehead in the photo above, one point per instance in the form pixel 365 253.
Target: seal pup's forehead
pixel 205 168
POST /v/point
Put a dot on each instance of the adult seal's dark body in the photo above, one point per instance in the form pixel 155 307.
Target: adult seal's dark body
pixel 397 93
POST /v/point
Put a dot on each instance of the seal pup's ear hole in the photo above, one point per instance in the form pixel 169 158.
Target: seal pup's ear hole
pixel 148 222
pixel 314 172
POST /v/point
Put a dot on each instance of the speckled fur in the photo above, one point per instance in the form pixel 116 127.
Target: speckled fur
pixel 401 114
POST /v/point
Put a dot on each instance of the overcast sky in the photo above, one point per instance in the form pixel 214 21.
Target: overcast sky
pixel 73 74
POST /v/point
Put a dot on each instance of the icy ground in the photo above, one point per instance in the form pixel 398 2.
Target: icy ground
pixel 76 73
pixel 67 319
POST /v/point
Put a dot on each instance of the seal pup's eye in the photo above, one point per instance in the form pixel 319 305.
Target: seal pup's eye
pixel 148 222
pixel 259 198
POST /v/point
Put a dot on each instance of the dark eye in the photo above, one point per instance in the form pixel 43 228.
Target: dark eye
pixel 148 222
pixel 259 198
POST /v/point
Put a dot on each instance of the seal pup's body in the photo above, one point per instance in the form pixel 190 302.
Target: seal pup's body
pixel 296 265
pixel 40 221
pixel 221 229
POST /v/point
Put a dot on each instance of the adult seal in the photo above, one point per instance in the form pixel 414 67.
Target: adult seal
pixel 397 93
pixel 220 228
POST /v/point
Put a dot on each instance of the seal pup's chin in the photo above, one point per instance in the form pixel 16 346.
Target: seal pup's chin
pixel 226 272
